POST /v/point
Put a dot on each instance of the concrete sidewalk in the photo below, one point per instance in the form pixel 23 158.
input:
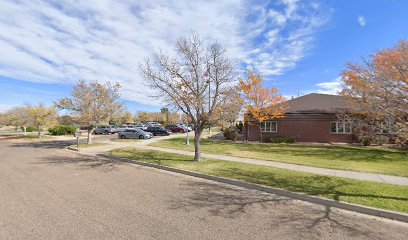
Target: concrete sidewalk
pixel 403 181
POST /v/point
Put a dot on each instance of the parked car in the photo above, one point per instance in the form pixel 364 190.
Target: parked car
pixel 153 124
pixel 140 126
pixel 184 126
pixel 125 127
pixel 134 133
pixel 175 128
pixel 105 130
pixel 158 131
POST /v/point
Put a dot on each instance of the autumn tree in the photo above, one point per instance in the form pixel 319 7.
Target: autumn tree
pixel 3 119
pixel 41 116
pixel 65 120
pixel 165 111
pixel 378 88
pixel 17 117
pixel 194 81
pixel 228 110
pixel 261 103
pixel 92 104
pixel 122 116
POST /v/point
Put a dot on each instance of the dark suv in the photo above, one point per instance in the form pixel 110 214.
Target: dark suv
pixel 158 131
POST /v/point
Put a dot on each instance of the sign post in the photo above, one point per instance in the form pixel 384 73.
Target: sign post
pixel 77 135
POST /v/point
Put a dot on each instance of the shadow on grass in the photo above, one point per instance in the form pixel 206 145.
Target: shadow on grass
pixel 282 212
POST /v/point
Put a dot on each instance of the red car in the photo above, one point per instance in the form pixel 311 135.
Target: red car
pixel 174 128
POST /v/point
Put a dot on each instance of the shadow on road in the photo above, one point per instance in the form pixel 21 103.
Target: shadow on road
pixel 281 211
pixel 99 162
pixel 59 144
pixel 220 200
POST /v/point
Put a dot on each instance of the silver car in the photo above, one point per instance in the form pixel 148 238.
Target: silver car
pixel 105 130
pixel 134 133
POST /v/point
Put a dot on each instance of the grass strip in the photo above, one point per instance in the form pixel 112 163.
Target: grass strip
pixel 373 159
pixel 378 195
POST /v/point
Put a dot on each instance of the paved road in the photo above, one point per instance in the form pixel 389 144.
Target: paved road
pixel 47 192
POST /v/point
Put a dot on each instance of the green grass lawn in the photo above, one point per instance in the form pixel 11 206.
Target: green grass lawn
pixel 354 158
pixel 366 193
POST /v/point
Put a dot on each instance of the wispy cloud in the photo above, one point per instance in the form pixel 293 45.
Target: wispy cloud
pixel 333 87
pixel 64 41
pixel 361 20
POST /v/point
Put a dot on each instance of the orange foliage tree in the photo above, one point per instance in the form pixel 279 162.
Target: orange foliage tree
pixel 378 88
pixel 260 103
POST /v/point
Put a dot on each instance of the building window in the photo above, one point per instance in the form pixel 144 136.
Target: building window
pixel 268 126
pixel 340 127
pixel 385 128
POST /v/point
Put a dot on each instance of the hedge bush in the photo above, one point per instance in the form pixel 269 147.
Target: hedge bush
pixel 62 130
pixel 281 139
pixel 240 126
pixel 231 134
pixel 30 129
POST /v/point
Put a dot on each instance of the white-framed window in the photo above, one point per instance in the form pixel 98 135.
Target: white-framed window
pixel 385 128
pixel 268 126
pixel 340 127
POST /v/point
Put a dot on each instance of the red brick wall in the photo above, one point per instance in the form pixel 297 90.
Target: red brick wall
pixel 304 128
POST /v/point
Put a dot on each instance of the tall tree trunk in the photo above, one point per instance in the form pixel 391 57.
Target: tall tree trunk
pixel 260 133
pixel 25 130
pixel 197 146
pixel 89 139
pixel 39 131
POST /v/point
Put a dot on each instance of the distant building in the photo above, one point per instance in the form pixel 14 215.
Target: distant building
pixel 309 118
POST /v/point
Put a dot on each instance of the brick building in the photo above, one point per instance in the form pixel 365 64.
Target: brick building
pixel 310 118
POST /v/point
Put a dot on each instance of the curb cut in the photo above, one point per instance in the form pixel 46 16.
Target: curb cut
pixel 298 196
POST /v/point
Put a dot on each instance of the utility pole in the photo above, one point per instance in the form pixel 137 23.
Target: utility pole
pixel 209 104
pixel 187 136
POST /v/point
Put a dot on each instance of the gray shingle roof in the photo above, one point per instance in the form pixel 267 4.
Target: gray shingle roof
pixel 317 103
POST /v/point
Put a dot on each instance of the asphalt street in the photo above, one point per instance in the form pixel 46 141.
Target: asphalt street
pixel 48 192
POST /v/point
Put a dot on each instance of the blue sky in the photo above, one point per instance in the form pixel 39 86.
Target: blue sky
pixel 299 46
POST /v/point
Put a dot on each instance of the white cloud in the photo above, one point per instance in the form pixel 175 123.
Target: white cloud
pixel 64 41
pixel 5 107
pixel 361 20
pixel 334 87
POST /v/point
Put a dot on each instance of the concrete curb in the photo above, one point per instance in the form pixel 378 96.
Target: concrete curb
pixel 73 148
pixel 299 196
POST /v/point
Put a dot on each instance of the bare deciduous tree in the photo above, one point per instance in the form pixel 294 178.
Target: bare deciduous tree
pixel 195 80
pixel 92 104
